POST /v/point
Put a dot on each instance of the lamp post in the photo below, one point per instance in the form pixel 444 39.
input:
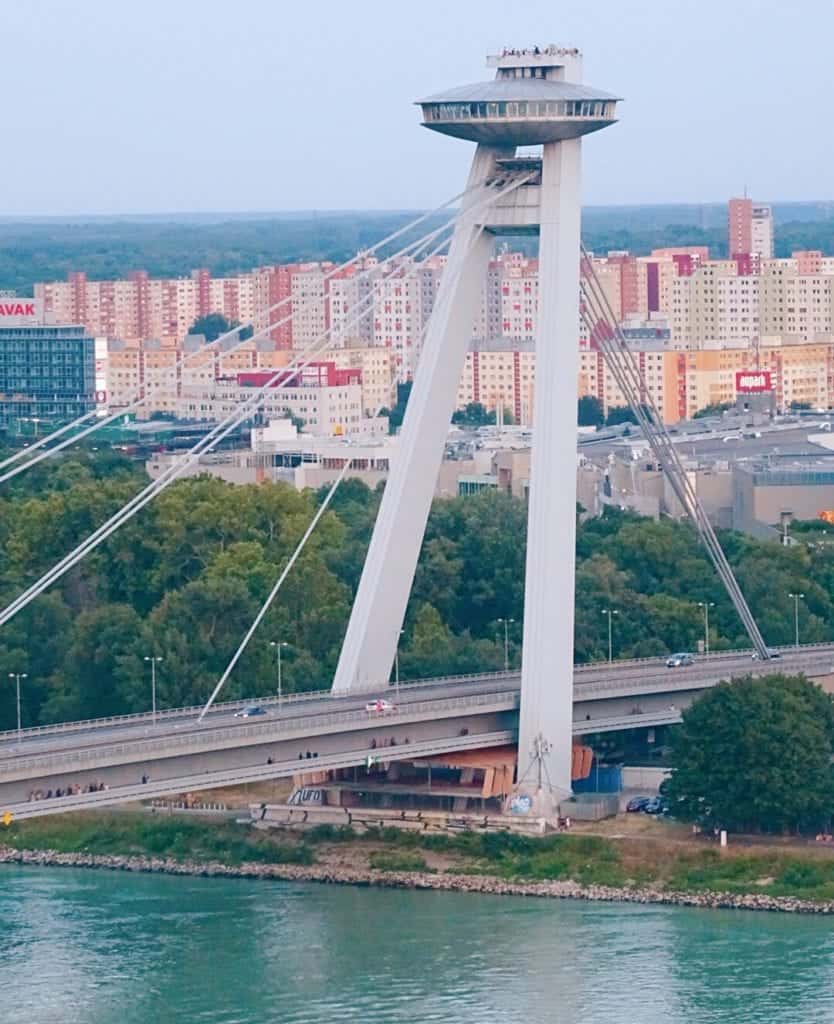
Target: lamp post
pixel 610 612
pixel 154 660
pixel 506 642
pixel 796 600
pixel 17 676
pixel 278 644
pixel 706 605
pixel 397 665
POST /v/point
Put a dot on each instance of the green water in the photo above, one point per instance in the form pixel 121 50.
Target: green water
pixel 84 947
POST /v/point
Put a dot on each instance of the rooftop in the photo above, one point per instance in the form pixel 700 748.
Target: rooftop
pixel 518 89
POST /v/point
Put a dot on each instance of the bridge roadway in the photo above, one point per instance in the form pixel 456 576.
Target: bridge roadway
pixel 178 753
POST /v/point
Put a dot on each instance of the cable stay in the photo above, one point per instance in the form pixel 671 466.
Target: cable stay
pixel 139 400
pixel 221 430
pixel 274 592
pixel 606 333
pixel 205 444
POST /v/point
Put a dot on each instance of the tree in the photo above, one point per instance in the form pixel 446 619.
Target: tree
pixel 713 409
pixel 213 325
pixel 473 415
pixel 397 414
pixel 755 754
pixel 618 414
pixel 296 421
pixel 589 412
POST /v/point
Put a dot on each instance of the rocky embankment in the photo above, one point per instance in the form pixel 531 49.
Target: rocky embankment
pixel 483 884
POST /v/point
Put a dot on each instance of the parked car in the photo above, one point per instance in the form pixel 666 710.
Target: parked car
pixel 378 707
pixel 637 803
pixel 251 711
pixel 679 660
pixel 655 806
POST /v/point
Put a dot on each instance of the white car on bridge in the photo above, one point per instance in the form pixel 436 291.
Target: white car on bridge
pixel 379 707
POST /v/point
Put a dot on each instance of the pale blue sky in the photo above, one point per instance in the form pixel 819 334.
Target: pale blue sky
pixel 201 105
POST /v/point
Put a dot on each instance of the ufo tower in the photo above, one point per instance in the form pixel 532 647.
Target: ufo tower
pixel 536 99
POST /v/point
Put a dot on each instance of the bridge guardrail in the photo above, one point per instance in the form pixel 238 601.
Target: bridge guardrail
pixel 616 722
pixel 174 744
pixel 686 678
pixel 138 717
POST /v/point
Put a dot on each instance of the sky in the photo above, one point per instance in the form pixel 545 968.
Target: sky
pixel 264 105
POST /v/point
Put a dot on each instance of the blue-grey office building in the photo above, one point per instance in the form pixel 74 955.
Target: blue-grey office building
pixel 46 372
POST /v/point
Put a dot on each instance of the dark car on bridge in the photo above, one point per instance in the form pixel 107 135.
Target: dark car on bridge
pixel 252 711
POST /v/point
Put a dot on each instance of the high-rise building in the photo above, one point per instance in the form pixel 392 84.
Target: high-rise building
pixel 46 372
pixel 761 232
pixel 750 229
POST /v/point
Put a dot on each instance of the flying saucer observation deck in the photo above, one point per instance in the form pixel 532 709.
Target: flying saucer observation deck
pixel 528 103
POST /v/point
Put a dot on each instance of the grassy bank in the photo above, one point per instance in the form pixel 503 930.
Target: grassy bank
pixel 173 836
pixel 586 859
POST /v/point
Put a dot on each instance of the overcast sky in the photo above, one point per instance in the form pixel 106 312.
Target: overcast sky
pixel 206 105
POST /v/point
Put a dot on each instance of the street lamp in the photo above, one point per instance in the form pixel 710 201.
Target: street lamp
pixel 506 642
pixel 706 605
pixel 17 676
pixel 610 612
pixel 796 600
pixel 278 644
pixel 397 665
pixel 154 660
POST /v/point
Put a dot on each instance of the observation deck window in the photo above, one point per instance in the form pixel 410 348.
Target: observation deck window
pixel 452 111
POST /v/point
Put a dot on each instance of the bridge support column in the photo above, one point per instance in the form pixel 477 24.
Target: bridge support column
pixel 379 609
pixel 545 733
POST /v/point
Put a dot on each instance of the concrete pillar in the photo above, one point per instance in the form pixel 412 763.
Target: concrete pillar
pixel 547 664
pixel 379 609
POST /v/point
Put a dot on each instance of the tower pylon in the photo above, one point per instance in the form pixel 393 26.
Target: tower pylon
pixel 535 99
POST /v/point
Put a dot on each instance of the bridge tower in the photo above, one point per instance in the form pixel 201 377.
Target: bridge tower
pixel 536 99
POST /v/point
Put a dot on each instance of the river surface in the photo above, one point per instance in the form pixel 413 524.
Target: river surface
pixel 97 947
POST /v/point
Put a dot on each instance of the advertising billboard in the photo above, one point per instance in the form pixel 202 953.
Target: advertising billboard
pixel 753 382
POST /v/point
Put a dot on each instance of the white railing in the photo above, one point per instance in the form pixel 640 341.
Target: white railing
pixel 274 730
pixel 139 717
pixel 614 667
pixel 693 677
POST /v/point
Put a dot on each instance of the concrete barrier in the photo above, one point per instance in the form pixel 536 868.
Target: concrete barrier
pixel 647 779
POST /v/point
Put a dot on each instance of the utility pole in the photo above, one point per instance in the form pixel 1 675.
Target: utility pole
pixel 153 660
pixel 17 676
pixel 610 612
pixel 506 642
pixel 796 600
pixel 706 605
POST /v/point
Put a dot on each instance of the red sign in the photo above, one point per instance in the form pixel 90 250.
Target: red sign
pixel 751 382
pixel 17 308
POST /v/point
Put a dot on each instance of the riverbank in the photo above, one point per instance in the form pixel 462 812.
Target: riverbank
pixel 392 879
pixel 642 869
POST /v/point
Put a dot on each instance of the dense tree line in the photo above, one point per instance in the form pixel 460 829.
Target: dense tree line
pixel 185 577
pixel 46 250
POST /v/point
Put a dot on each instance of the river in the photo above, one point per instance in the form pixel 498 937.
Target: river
pixel 97 947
